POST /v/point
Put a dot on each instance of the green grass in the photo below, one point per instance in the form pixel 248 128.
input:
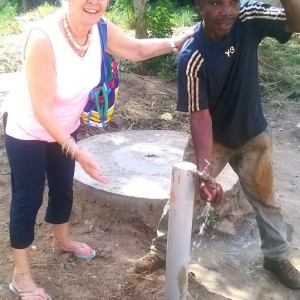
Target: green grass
pixel 125 18
pixel 279 68
pixel 8 14
pixel 185 16
pixel 40 11
pixel 10 26
pixel 8 23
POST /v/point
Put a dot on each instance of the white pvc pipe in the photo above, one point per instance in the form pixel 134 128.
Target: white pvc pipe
pixel 179 230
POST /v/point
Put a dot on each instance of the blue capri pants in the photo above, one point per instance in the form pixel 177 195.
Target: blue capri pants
pixel 29 162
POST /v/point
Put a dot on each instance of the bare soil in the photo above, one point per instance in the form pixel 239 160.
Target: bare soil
pixel 110 275
pixel 230 259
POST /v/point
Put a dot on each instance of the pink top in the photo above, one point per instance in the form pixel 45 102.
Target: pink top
pixel 75 77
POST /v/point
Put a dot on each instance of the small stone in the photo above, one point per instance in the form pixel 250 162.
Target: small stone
pixel 280 129
pixel 87 135
pixel 298 125
pixel 5 172
pixel 166 117
pixel 33 247
pixel 86 222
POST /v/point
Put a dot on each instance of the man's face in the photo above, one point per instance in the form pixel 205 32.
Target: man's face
pixel 219 16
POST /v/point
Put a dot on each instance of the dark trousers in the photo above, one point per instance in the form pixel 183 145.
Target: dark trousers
pixel 29 162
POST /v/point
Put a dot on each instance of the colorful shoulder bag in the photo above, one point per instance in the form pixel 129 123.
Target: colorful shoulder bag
pixel 101 101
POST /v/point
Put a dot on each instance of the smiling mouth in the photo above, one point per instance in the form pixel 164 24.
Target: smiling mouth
pixel 225 25
pixel 91 11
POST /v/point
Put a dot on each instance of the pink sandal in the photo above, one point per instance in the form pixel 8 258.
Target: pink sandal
pixel 26 295
pixel 83 251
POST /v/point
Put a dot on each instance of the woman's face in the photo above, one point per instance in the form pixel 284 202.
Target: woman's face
pixel 87 12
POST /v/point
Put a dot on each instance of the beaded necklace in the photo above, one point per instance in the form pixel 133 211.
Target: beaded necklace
pixel 81 48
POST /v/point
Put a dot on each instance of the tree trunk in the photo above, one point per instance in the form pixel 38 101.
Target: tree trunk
pixel 140 27
pixel 25 5
pixel 30 4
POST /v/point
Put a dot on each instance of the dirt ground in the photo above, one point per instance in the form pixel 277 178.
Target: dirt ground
pixel 230 259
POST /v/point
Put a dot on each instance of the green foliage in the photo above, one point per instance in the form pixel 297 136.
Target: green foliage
pixel 10 3
pixel 185 16
pixel 10 26
pixel 178 3
pixel 121 13
pixel 8 11
pixel 162 66
pixel 161 16
pixel 279 66
pixel 124 5
pixel 159 20
pixel 40 11
pixel 212 219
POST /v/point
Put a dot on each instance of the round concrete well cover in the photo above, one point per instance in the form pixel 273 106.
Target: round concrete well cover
pixel 137 163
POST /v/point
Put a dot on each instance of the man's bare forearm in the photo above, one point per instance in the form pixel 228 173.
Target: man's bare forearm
pixel 292 10
pixel 201 129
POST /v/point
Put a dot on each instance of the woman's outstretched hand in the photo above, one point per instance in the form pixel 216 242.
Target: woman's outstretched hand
pixel 90 166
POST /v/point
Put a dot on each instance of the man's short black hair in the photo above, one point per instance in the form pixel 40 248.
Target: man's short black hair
pixel 199 3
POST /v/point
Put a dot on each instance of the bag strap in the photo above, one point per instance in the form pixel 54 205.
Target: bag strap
pixel 103 40
pixel 103 80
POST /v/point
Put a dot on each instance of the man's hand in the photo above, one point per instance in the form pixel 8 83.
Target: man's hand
pixel 212 193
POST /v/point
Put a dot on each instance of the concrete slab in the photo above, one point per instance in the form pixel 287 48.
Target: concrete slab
pixel 138 165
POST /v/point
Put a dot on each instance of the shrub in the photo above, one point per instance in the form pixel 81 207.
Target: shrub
pixel 7 10
pixel 121 13
pixel 40 11
pixel 279 66
pixel 159 19
pixel 185 16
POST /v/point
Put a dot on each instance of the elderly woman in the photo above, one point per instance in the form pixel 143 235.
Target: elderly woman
pixel 61 66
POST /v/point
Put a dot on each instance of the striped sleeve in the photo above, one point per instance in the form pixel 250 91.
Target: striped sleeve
pixel 192 94
pixel 261 11
pixel 269 21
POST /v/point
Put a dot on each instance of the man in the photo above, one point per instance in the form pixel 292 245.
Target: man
pixel 218 84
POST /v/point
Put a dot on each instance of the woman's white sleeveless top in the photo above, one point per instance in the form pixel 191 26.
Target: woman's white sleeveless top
pixel 75 78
